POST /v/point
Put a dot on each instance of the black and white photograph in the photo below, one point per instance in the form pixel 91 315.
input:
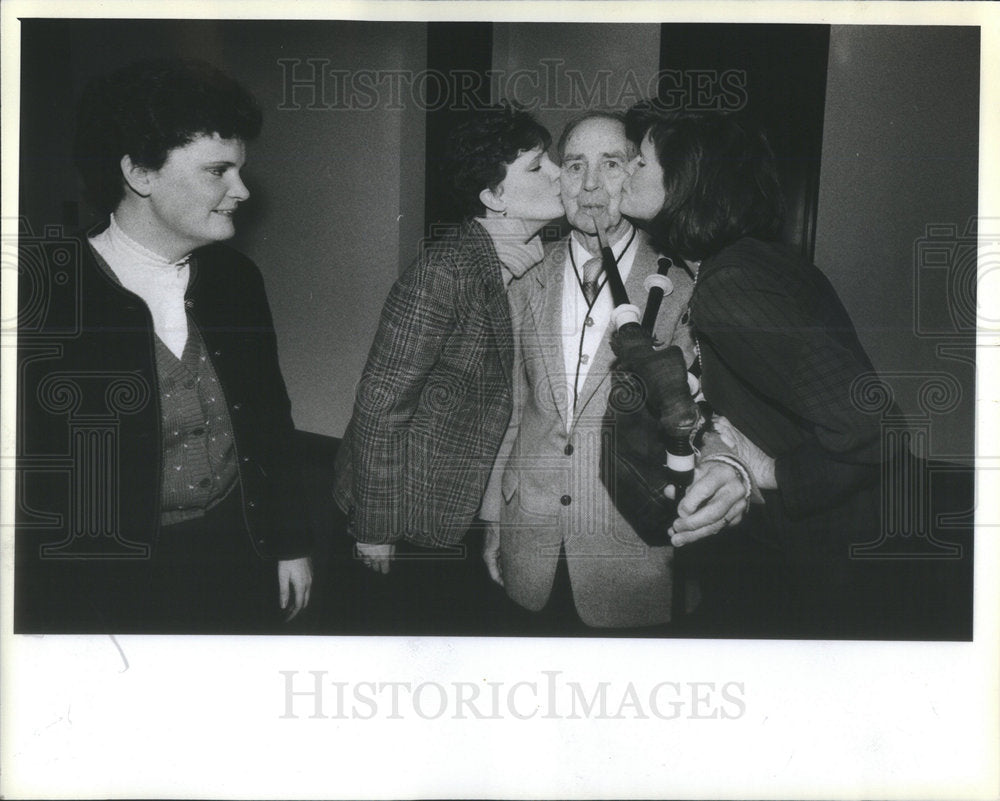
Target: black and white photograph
pixel 451 400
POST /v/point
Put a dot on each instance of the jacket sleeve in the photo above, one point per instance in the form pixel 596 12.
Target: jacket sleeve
pixel 291 526
pixel 417 318
pixel 795 363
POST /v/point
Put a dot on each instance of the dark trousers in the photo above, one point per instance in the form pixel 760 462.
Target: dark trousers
pixel 202 576
pixel 206 577
pixel 427 591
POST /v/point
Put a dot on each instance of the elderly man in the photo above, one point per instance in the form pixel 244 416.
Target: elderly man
pixel 563 549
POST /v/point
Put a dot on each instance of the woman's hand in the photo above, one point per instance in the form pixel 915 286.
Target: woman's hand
pixel 376 556
pixel 491 551
pixel 715 499
pixel 760 465
pixel 294 584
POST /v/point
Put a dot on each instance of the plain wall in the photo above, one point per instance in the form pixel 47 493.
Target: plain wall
pixel 561 70
pixel 337 215
pixel 900 153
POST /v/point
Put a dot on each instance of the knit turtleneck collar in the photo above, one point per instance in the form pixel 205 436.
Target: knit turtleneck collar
pixel 518 248
pixel 159 282
pixel 139 254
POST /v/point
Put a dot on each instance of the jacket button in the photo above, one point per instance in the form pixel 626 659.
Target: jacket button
pixel 252 504
pixel 188 304
pixel 216 352
pixel 565 500
pixel 568 450
pixel 246 458
pixel 237 407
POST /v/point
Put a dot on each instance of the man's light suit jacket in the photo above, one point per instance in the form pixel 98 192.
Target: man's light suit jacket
pixel 550 495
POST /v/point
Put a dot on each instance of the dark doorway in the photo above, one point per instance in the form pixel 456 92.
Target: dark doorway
pixel 776 75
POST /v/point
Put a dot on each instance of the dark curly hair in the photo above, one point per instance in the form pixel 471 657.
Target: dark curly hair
pixel 148 108
pixel 719 176
pixel 480 149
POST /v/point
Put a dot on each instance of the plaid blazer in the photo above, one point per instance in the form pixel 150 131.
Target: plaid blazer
pixel 434 399
pixel 549 495
pixel 779 358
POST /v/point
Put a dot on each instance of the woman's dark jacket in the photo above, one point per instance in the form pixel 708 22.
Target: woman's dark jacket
pixel 781 359
pixel 89 439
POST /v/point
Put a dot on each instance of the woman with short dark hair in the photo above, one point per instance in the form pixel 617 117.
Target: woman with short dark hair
pixel 193 520
pixel 778 352
pixel 148 108
pixel 435 396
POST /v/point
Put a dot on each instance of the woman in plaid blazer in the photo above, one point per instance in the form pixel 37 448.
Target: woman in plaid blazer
pixel 779 356
pixel 434 399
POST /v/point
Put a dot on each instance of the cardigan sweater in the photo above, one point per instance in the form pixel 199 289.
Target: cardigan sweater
pixel 90 444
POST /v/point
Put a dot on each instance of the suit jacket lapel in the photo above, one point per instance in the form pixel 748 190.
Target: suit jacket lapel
pixel 643 264
pixel 545 307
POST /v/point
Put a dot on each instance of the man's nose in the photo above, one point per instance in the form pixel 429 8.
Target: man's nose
pixel 591 179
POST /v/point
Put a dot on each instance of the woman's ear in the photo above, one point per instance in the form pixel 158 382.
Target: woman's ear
pixel 137 177
pixel 492 201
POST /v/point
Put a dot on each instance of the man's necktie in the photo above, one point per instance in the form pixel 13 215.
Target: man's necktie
pixel 591 272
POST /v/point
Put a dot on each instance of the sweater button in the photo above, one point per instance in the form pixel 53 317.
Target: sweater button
pixel 568 450
pixel 565 500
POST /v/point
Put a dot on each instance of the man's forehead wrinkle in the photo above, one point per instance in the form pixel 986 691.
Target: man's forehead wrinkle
pixel 605 154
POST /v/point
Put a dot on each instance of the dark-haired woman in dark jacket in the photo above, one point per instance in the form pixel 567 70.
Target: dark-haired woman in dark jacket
pixel 779 357
pixel 178 506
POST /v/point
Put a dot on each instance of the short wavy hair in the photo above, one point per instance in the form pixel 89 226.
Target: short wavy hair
pixel 719 177
pixel 611 116
pixel 148 108
pixel 480 149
